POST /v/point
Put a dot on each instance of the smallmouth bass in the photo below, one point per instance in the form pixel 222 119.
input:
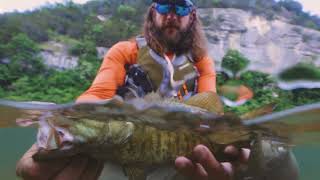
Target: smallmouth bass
pixel 145 133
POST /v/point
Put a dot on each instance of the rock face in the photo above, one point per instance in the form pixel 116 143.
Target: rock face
pixel 56 55
pixel 101 52
pixel 270 45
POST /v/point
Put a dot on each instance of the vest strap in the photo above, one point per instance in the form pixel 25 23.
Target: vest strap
pixel 141 41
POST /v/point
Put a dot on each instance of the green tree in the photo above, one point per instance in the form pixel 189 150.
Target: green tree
pixel 113 30
pixel 126 12
pixel 216 3
pixel 34 30
pixel 23 52
pixel 22 44
pixel 5 76
pixel 292 5
pixel 234 61
pixel 84 47
pixel 301 71
pixel 2 51
pixel 256 80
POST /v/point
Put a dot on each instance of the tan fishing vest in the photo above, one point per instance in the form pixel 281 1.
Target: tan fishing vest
pixel 157 67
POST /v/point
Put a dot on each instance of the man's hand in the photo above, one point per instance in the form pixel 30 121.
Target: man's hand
pixel 206 167
pixel 70 168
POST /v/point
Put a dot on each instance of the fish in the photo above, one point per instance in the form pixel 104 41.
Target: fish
pixel 143 134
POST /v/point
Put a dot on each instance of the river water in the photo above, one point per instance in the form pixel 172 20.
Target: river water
pixel 15 141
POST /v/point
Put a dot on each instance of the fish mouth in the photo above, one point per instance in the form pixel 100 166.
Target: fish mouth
pixel 50 137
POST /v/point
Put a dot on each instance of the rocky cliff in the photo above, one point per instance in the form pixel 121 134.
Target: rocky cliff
pixel 270 45
pixel 56 55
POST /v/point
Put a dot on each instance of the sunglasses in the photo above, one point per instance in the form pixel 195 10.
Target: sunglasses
pixel 179 10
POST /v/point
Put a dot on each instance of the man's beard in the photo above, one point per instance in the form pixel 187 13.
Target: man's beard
pixel 172 37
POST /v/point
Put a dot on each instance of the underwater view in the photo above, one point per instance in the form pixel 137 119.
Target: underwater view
pixel 141 82
pixel 17 140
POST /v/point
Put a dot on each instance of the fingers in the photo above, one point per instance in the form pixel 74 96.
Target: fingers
pixel 77 167
pixel 240 155
pixel 27 168
pixel 185 166
pixel 228 168
pixel 240 158
pixel 210 164
pixel 189 169
pixel 245 154
pixel 200 173
pixel 205 166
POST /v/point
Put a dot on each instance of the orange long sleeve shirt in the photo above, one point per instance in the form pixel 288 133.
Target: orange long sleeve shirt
pixel 111 74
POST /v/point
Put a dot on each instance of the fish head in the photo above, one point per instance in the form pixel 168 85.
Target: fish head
pixel 54 136
pixel 60 137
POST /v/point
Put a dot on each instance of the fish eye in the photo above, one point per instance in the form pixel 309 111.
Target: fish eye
pixel 60 133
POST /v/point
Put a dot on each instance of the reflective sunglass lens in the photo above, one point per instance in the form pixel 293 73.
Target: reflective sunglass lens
pixel 179 10
pixel 182 11
pixel 163 8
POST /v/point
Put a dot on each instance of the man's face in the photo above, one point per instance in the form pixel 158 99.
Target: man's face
pixel 171 25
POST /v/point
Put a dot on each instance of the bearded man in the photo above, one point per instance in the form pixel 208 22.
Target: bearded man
pixel 172 57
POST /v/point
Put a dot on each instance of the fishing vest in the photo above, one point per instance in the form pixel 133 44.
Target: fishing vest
pixel 155 66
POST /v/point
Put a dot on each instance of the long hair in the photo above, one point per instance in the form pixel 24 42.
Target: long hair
pixel 192 40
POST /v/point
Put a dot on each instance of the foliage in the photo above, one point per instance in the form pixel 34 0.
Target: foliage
pixel 24 77
pixel 5 76
pixel 22 52
pixel 81 22
pixel 126 12
pixel 56 86
pixel 21 43
pixel 301 71
pixel 60 87
pixel 262 98
pixel 221 78
pixel 85 47
pixel 256 80
pixel 2 51
pixel 291 5
pixel 234 61
pixel 266 92
pixel 305 96
pixel 112 30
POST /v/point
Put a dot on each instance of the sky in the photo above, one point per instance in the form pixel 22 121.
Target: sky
pixel 22 5
pixel 311 6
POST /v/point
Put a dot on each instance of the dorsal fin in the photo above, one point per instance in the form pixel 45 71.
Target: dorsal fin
pixel 206 100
